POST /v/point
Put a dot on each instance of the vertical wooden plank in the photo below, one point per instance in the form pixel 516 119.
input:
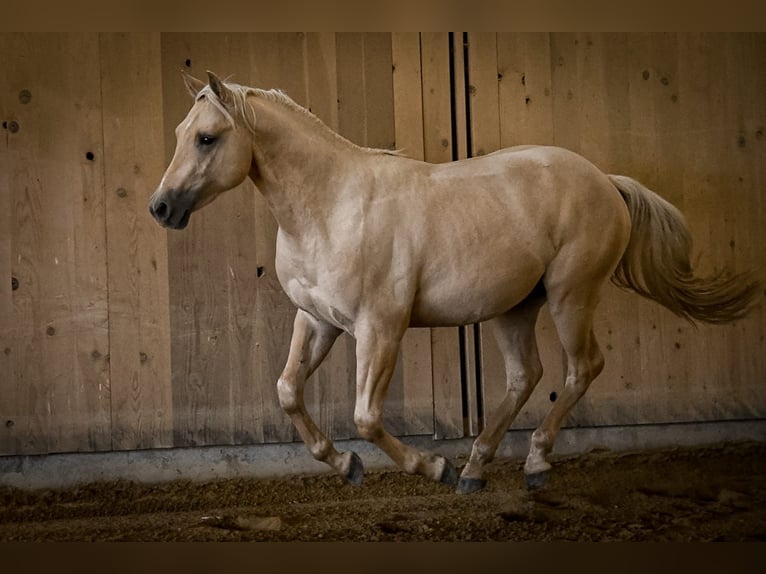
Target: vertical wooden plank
pixel 437 118
pixel 483 90
pixel 352 122
pixel 321 66
pixel 212 274
pixel 59 392
pixel 524 80
pixel 24 416
pixel 749 211
pixel 139 319
pixel 379 94
pixel 408 93
pixel 746 210
pixel 567 120
pixel 9 437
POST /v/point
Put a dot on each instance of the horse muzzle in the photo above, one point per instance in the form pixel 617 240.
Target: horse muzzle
pixel 169 213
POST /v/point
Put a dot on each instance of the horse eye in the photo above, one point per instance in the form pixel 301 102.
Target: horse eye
pixel 205 140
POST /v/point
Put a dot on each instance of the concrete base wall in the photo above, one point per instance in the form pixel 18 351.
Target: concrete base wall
pixel 279 460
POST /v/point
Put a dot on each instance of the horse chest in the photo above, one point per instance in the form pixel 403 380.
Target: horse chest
pixel 323 293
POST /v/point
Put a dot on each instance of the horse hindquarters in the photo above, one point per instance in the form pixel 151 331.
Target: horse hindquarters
pixel 573 281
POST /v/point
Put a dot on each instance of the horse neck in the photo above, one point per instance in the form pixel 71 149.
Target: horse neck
pixel 295 161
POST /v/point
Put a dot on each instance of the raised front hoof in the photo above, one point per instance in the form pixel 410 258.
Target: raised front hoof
pixel 470 485
pixel 536 480
pixel 355 474
pixel 449 474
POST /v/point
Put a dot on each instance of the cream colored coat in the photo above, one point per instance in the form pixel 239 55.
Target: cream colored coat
pixel 371 243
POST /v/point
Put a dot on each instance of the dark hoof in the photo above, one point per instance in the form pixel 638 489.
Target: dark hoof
pixel 470 485
pixel 355 474
pixel 449 474
pixel 536 480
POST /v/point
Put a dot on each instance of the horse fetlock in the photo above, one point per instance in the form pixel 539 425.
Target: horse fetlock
pixel 321 450
pixel 472 470
pixel 431 466
pixel 541 442
pixel 536 465
pixel 536 462
pixel 482 453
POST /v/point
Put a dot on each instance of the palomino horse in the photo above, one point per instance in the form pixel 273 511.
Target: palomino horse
pixel 371 243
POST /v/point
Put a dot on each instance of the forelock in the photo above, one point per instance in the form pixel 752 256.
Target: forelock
pixel 241 108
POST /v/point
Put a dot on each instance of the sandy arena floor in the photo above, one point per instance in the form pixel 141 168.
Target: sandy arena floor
pixel 715 493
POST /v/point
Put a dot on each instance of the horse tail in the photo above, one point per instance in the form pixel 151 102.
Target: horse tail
pixel 656 263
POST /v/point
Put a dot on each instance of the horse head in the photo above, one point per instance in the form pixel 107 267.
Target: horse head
pixel 213 152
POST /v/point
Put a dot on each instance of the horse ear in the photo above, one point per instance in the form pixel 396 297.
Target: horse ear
pixel 218 87
pixel 192 84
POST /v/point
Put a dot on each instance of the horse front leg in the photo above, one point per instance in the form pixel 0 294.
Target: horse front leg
pixel 376 352
pixel 310 343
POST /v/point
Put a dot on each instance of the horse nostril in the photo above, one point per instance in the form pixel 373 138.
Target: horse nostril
pixel 161 209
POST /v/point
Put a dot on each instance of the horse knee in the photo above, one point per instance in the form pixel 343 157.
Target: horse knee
pixel 289 397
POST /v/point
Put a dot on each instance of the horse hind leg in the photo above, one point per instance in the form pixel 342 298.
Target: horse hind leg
pixel 572 314
pixel 515 335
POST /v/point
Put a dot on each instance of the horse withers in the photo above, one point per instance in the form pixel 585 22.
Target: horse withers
pixel 371 243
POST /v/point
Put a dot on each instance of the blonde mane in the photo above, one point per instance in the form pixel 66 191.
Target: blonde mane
pixel 245 111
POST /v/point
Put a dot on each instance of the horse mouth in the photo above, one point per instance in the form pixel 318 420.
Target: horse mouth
pixel 182 222
pixel 168 217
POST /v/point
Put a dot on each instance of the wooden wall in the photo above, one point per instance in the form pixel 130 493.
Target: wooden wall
pixel 116 334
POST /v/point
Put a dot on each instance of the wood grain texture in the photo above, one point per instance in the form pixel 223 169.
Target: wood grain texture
pixel 10 405
pixel 524 89
pixel 58 394
pixel 139 320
